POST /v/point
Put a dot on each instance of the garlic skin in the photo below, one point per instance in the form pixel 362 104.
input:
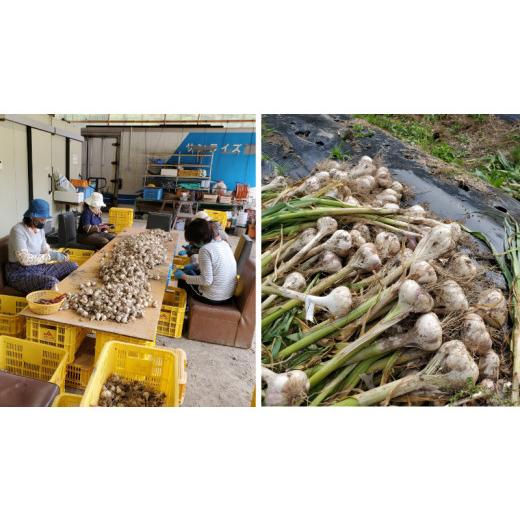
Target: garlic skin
pixel 387 244
pixel 337 303
pixel 383 177
pixel 492 306
pixel 365 166
pixel 451 297
pixel 423 272
pixel 363 185
pixel 311 185
pixel 475 335
pixel 288 389
pixel 397 186
pixel 303 239
pixel 458 365
pixel 462 266
pixel 389 195
pixel 390 205
pixel 489 366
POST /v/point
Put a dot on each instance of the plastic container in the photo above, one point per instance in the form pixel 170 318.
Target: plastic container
pixel 102 338
pixel 10 323
pixel 80 256
pixel 79 183
pixel 183 374
pixel 152 193
pixel 158 368
pixel 219 216
pixel 181 261
pixel 121 218
pixel 179 225
pixel 44 308
pixel 80 370
pixel 30 359
pixel 173 309
pixel 58 335
pixel 68 400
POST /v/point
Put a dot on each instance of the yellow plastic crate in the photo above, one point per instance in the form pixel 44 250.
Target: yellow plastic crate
pixel 30 359
pixel 10 323
pixel 102 338
pixel 80 256
pixel 79 372
pixel 173 308
pixel 58 335
pixel 156 367
pixel 219 216
pixel 183 374
pixel 121 218
pixel 181 261
pixel 68 400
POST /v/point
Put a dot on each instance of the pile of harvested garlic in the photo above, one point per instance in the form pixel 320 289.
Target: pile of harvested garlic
pixel 125 272
pixel 118 391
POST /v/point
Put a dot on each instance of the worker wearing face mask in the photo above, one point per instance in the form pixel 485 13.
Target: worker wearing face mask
pixel 91 229
pixel 28 269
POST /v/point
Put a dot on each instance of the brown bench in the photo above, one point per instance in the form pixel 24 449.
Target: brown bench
pixel 232 324
pixel 4 259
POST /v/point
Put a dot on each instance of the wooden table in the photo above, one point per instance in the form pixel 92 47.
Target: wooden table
pixel 142 328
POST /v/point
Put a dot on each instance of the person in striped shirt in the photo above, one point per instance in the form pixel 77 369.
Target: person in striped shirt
pixel 216 282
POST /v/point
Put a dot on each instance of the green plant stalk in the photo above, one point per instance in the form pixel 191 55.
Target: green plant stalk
pixel 286 231
pixel 381 299
pixel 315 214
pixel 387 226
pixel 331 386
pixel 341 357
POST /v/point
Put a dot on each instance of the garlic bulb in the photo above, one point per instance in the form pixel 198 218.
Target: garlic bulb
pixel 364 230
pixel 475 334
pixel 328 262
pixel 277 183
pixel 423 272
pixel 339 175
pixel 489 366
pixel 389 195
pixel 339 242
pixel 387 244
pixel 295 281
pixel 357 238
pixel 462 267
pixel 492 306
pixel 415 211
pixel 363 185
pixel 366 258
pixel 289 389
pixel 337 303
pixel 352 201
pixel 397 186
pixel 383 177
pixel 365 166
pixel 390 205
pixel 451 297
pixel 323 177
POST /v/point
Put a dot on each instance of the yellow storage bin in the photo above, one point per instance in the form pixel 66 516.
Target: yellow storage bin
pixel 102 338
pixel 180 261
pixel 173 308
pixel 80 256
pixel 183 374
pixel 58 335
pixel 30 359
pixel 80 370
pixel 10 323
pixel 68 400
pixel 156 367
pixel 218 216
pixel 121 218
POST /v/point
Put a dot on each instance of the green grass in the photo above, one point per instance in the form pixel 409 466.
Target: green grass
pixel 419 133
pixel 338 153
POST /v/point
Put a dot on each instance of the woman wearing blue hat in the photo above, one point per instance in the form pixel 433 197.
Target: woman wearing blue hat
pixel 28 268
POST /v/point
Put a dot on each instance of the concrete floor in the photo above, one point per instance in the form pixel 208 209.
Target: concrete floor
pixel 217 375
